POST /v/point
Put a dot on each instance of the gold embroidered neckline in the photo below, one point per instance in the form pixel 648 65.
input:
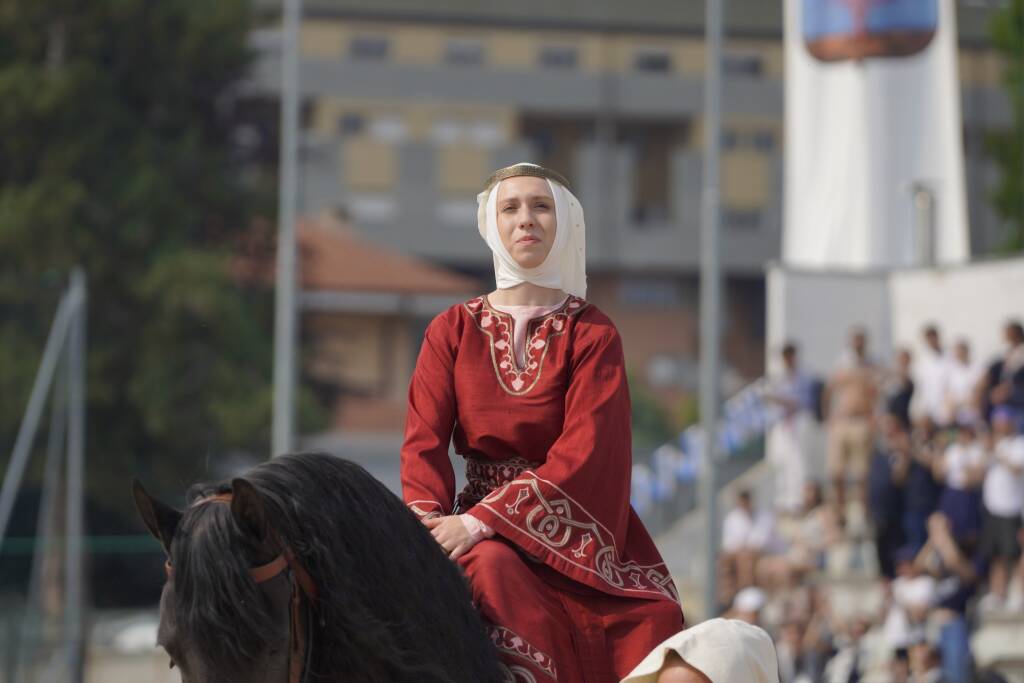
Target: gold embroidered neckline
pixel 497 325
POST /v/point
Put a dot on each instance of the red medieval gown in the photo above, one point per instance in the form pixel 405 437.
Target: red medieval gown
pixel 571 583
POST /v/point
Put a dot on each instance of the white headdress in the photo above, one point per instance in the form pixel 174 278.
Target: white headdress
pixel 724 650
pixel 565 266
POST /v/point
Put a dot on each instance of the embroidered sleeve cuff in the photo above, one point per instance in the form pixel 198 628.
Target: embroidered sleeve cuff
pixel 478 531
pixel 426 509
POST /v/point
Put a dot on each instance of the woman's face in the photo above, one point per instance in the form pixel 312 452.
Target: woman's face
pixel 526 219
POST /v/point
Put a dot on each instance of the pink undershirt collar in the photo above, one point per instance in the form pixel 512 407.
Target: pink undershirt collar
pixel 522 315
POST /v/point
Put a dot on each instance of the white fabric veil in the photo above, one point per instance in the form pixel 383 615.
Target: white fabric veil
pixel 564 267
pixel 724 650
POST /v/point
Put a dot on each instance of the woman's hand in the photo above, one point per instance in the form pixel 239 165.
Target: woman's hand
pixel 451 534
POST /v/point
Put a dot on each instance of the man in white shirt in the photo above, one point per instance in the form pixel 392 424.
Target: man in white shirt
pixel 745 536
pixel 912 596
pixel 785 446
pixel 1003 496
pixel 962 386
pixel 931 377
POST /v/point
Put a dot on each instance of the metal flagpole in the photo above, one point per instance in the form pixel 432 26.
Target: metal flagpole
pixel 37 399
pixel 283 432
pixel 75 510
pixel 34 624
pixel 710 284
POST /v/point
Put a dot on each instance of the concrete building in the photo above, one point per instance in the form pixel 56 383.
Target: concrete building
pixel 409 105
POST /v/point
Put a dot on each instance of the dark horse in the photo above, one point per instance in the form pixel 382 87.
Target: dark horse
pixel 309 569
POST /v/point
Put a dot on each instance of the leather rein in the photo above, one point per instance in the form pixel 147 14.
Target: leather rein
pixel 303 587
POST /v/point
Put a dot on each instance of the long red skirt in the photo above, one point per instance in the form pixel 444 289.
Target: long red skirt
pixel 549 628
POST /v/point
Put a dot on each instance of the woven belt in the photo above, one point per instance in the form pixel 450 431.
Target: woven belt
pixel 484 476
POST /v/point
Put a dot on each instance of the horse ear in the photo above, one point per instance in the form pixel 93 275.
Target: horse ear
pixel 161 520
pixel 248 509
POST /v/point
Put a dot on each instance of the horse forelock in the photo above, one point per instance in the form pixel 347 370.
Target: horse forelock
pixel 217 606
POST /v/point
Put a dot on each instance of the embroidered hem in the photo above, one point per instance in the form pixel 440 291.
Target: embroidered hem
pixel 510 643
pixel 535 512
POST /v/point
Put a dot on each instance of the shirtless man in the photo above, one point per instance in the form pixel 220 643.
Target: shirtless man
pixel 851 395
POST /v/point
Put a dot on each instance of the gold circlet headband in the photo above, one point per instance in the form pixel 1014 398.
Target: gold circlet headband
pixel 525 170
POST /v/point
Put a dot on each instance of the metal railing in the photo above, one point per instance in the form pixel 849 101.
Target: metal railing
pixel 60 377
pixel 664 489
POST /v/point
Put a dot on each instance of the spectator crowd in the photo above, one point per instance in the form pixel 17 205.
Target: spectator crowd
pixel 921 506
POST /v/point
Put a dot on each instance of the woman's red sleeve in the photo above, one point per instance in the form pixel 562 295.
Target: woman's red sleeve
pixel 428 481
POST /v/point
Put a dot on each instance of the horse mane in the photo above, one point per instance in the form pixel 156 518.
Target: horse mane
pixel 390 607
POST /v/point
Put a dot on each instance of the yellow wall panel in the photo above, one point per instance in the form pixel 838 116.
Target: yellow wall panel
pixel 511 49
pixel 688 58
pixel 745 180
pixel 592 49
pixel 462 169
pixel 417 45
pixel 369 165
pixel 323 39
pixel 326 113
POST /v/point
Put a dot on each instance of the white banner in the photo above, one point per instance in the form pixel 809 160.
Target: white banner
pixel 874 151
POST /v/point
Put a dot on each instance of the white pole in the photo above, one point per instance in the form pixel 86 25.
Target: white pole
pixel 36 401
pixel 710 284
pixel 74 578
pixel 285 318
pixel 33 625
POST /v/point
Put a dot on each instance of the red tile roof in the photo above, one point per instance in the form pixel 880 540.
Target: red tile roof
pixel 333 257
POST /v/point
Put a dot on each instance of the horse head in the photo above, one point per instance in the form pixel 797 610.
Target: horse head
pixel 308 567
pixel 232 608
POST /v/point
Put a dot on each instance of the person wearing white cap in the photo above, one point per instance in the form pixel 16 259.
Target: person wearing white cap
pixel 529 384
pixel 713 651
pixel 747 605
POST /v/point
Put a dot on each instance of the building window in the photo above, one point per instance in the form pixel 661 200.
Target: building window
pixel 486 133
pixel 763 140
pixel 388 128
pixel 464 52
pixel 480 132
pixel 372 208
pixel 446 131
pixel 559 56
pixel 351 124
pixel 369 48
pixel 751 66
pixel 741 219
pixel 557 141
pixel 652 60
pixel 457 213
pixel 730 140
pixel 651 144
pixel 650 292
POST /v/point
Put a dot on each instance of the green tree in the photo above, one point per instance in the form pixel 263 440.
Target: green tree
pixel 115 154
pixel 1007 148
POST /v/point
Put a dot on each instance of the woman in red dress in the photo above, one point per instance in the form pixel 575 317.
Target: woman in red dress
pixel 528 382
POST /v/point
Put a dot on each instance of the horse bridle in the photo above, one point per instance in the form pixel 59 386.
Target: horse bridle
pixel 303 587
